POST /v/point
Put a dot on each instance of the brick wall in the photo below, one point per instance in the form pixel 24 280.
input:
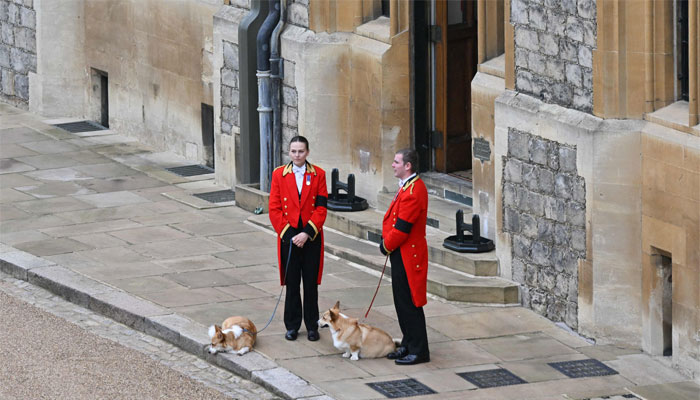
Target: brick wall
pixel 544 210
pixel 554 41
pixel 17 49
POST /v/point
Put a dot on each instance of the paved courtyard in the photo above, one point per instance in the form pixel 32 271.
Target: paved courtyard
pixel 103 206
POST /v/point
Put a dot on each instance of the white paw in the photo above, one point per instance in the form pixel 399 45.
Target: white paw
pixel 212 350
pixel 355 357
pixel 346 354
pixel 243 351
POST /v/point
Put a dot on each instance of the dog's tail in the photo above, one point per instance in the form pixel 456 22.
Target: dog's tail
pixel 396 341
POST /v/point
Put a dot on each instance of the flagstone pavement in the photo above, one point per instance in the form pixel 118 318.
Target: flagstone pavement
pixel 103 205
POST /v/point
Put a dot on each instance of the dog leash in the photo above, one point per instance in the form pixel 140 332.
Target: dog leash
pixel 378 285
pixel 286 268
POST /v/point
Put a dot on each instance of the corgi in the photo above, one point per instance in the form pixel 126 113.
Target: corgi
pixel 354 338
pixel 235 335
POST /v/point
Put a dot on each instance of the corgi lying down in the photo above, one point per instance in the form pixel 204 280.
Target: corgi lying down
pixel 235 335
pixel 354 338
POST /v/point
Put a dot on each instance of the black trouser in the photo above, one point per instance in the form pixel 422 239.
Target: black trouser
pixel 304 266
pixel 411 318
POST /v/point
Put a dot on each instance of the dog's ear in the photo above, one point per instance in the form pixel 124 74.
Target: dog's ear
pixel 334 314
pixel 337 305
pixel 218 328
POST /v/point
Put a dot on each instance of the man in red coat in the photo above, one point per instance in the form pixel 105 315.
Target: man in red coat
pixel 298 199
pixel 403 239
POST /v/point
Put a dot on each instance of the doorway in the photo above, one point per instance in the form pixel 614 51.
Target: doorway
pixel 99 97
pixel 444 65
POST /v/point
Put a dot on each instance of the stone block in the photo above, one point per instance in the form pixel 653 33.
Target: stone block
pixel 525 296
pixel 579 194
pixel 510 195
pixel 553 156
pixel 573 288
pixel 563 186
pixel 568 50
pixel 292 117
pixel 518 270
pixel 7 82
pixel 521 247
pixel 554 209
pixel 7 34
pixel 574 75
pixel 535 204
pixel 556 309
pixel 524 81
pixel 562 235
pixel 556 23
pixel 530 177
pixel 25 39
pixel 513 171
pixel 13 14
pixel 27 18
pixel 545 179
pixel 569 6
pixel 589 33
pixel 578 240
pixel 528 226
pixel 22 62
pixel 555 69
pixel 562 93
pixel 29 3
pixel 518 145
pixel 231 55
pixel 538 301
pixel 540 254
pixel 587 74
pixel 538 150
pixel 5 56
pixel 521 58
pixel 298 14
pixel 561 289
pixel 3 11
pixel 225 128
pixel 547 278
pixel 229 77
pixel 519 12
pixel 567 159
pixel 21 83
pixel 586 9
pixel 574 29
pixel 537 17
pixel 227 114
pixel 549 44
pixel 553 4
pixel 289 70
pixel 545 231
pixel 226 95
pixel 583 100
pixel 571 317
pixel 531 275
pixel 585 56
pixel 536 63
pixel 570 263
pixel 281 381
pixel 511 220
pixel 527 39
pixel 289 96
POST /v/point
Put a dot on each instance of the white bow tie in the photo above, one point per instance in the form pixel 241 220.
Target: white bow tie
pixel 298 170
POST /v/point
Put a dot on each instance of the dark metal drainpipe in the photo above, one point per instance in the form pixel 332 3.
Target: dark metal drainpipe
pixel 247 160
pixel 277 74
pixel 264 94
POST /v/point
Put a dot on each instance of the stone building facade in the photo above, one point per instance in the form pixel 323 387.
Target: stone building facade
pixel 17 50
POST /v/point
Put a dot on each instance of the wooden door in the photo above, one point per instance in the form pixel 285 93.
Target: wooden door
pixel 456 63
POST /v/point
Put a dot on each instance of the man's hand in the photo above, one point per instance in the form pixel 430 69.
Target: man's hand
pixel 300 239
pixel 381 247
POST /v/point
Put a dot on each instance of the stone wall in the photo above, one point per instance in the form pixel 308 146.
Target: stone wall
pixel 298 13
pixel 554 41
pixel 17 49
pixel 544 210
pixel 229 89
pixel 290 107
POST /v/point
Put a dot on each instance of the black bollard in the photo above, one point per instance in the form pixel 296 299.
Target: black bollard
pixel 473 243
pixel 347 201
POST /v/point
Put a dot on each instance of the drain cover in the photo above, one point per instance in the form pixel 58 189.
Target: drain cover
pixel 220 196
pixel 81 126
pixel 191 170
pixel 492 378
pixel 401 388
pixel 583 368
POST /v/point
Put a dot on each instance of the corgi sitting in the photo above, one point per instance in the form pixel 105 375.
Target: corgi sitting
pixel 355 338
pixel 235 335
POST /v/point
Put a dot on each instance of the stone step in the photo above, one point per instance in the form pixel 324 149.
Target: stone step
pixel 448 187
pixel 442 281
pixel 366 225
pixel 441 212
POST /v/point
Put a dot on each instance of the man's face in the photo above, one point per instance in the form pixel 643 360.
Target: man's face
pixel 401 170
pixel 298 153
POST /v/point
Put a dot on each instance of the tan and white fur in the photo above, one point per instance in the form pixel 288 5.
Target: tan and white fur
pixel 235 335
pixel 354 338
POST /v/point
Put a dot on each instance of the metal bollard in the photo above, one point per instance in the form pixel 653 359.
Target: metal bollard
pixel 473 243
pixel 347 201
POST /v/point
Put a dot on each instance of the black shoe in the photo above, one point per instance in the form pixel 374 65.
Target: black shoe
pixel 291 334
pixel 313 336
pixel 412 359
pixel 400 352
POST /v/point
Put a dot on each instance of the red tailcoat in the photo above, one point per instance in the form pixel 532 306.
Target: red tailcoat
pixel 404 227
pixel 286 206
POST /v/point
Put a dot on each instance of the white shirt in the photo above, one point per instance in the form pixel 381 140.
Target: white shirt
pixel 299 175
pixel 403 181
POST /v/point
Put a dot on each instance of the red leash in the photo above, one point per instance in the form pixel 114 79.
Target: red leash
pixel 378 284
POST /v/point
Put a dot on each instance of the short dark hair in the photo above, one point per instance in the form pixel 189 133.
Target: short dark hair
pixel 300 139
pixel 409 156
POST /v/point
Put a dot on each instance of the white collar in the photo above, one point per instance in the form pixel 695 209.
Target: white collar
pixel 301 169
pixel 403 181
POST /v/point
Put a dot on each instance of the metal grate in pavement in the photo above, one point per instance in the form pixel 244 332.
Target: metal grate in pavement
pixel 492 378
pixel 81 126
pixel 401 388
pixel 220 196
pixel 191 170
pixel 583 368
